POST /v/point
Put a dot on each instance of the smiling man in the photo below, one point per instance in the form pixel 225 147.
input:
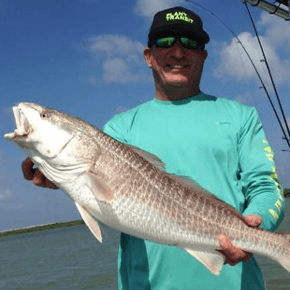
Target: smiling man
pixel 219 143
pixel 176 54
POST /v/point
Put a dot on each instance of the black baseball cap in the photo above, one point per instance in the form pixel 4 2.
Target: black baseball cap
pixel 177 20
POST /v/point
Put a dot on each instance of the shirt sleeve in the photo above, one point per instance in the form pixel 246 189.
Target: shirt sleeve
pixel 259 179
pixel 115 129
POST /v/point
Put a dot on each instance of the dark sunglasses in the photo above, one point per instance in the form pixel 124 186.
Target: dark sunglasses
pixel 167 42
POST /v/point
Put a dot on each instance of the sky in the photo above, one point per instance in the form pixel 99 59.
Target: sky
pixel 84 57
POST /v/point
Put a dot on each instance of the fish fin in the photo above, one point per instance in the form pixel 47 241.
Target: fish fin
pixel 191 183
pixel 100 188
pixel 212 260
pixel 187 181
pixel 153 159
pixel 91 222
pixel 285 263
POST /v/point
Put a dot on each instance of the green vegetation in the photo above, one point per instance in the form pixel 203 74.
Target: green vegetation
pixel 41 228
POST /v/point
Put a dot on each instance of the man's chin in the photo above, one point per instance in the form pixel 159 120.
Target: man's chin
pixel 178 83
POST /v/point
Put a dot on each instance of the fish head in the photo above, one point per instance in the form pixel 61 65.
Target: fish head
pixel 40 130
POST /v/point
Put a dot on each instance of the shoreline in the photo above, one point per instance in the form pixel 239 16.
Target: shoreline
pixel 39 228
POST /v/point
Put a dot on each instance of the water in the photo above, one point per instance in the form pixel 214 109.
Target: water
pixel 67 258
pixel 71 258
pixel 276 277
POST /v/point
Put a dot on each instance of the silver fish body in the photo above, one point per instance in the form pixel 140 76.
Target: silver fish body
pixel 128 189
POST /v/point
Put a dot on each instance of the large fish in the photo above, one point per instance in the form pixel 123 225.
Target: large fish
pixel 128 189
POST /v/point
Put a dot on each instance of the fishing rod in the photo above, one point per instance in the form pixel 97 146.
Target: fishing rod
pixel 272 8
pixel 254 66
pixel 269 70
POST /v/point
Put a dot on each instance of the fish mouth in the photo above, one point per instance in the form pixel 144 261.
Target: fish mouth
pixel 23 128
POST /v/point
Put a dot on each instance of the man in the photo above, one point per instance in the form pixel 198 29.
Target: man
pixel 219 143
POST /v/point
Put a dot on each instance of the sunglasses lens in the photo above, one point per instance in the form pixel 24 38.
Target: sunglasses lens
pixel 189 43
pixel 165 42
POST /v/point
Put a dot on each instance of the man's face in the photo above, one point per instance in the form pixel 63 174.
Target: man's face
pixel 175 66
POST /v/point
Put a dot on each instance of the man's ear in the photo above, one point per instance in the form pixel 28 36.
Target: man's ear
pixel 204 52
pixel 148 54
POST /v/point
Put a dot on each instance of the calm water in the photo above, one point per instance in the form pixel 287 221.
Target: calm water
pixel 71 258
pixel 68 258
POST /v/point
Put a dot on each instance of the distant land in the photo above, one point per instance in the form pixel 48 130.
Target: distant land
pixel 41 228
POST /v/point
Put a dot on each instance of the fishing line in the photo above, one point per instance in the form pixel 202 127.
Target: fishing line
pixel 269 70
pixel 249 57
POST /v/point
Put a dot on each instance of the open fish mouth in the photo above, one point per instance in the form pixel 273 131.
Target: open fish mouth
pixel 23 128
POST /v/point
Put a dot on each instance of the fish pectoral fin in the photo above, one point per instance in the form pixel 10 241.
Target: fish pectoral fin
pixel 100 188
pixel 91 222
pixel 212 260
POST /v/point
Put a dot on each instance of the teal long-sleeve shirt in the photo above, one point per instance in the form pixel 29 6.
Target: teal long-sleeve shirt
pixel 220 144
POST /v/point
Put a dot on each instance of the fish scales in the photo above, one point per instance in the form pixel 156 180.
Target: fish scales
pixel 146 175
pixel 149 172
pixel 180 195
pixel 161 203
pixel 126 188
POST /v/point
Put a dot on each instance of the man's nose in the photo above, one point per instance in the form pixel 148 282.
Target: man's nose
pixel 177 49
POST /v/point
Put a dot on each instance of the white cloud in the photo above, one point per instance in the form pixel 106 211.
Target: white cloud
pixel 5 195
pixel 235 64
pixel 118 70
pixel 112 44
pixel 277 29
pixel 148 8
pixel 121 59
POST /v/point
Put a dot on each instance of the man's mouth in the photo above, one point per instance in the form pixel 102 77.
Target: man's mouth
pixel 177 66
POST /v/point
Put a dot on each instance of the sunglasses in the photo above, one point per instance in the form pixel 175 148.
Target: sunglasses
pixel 168 42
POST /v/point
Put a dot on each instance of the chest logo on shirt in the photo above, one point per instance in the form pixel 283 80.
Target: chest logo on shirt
pixel 222 123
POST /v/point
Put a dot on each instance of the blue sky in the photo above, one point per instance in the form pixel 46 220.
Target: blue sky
pixel 85 57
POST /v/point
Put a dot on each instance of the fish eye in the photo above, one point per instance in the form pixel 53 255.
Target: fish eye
pixel 44 115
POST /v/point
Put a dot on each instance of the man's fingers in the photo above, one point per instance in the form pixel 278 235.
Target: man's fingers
pixel 39 179
pixel 232 254
pixel 253 220
pixel 31 173
pixel 50 184
pixel 27 169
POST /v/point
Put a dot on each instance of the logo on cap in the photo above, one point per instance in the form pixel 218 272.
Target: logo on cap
pixel 178 16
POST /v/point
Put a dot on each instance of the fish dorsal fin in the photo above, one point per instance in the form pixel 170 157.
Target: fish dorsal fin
pixel 212 260
pixel 191 183
pixel 187 181
pixel 153 159
pixel 91 222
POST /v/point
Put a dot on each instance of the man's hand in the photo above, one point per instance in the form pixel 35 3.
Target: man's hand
pixel 232 254
pixel 35 175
